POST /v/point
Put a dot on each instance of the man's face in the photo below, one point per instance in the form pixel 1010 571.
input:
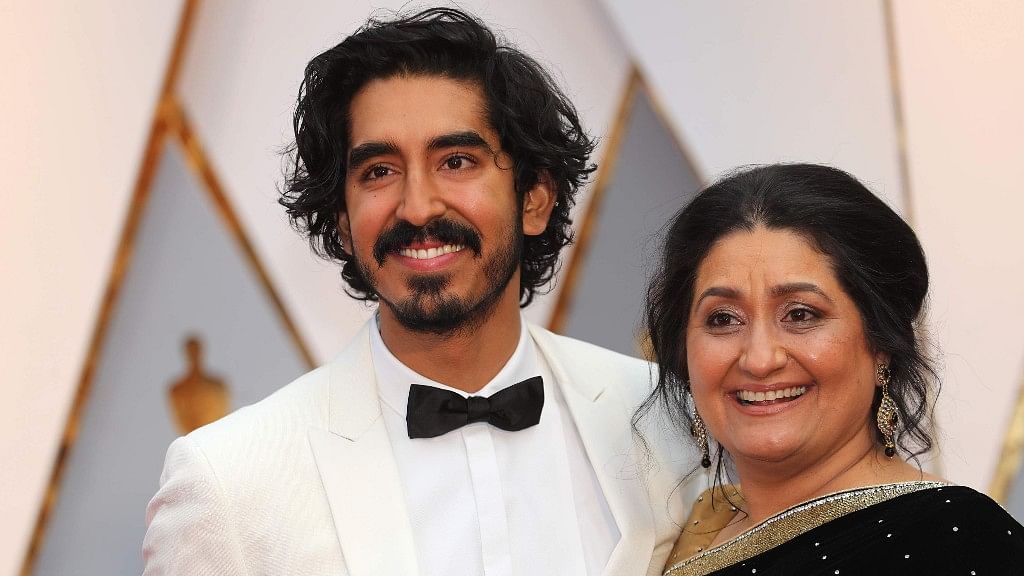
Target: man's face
pixel 432 218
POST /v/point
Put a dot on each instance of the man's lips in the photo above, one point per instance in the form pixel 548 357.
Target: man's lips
pixel 436 258
pixel 423 251
pixel 403 237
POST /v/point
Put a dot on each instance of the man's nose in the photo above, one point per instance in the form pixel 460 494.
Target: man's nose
pixel 422 201
pixel 763 352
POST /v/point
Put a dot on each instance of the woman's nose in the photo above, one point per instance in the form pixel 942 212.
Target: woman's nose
pixel 763 353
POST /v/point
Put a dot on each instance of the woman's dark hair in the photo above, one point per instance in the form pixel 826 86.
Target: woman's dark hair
pixel 874 254
pixel 537 125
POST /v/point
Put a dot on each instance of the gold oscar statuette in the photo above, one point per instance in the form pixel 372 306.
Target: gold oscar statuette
pixel 197 398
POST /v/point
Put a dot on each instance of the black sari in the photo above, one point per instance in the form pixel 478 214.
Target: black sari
pixel 908 528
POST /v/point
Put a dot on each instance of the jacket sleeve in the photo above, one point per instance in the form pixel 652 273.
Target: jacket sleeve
pixel 190 529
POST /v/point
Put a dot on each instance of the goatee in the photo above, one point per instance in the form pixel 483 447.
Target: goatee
pixel 430 308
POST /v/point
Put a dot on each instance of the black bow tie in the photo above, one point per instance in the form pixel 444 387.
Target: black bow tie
pixel 432 411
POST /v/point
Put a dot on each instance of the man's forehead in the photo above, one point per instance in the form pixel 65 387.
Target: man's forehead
pixel 413 110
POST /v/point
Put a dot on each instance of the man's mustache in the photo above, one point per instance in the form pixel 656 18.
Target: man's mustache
pixel 442 230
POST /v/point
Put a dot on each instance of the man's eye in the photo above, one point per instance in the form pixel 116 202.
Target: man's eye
pixel 377 171
pixel 456 162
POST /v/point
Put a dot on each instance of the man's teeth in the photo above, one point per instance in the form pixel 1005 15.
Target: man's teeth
pixel 430 252
pixel 751 396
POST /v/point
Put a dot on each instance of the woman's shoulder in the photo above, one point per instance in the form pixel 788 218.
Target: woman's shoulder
pixel 960 525
pixel 951 508
pixel 953 499
pixel 963 502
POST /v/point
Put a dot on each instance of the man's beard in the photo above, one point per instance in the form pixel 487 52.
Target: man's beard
pixel 429 308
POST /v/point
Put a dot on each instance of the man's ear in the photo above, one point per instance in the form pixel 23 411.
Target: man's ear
pixel 538 203
pixel 345 232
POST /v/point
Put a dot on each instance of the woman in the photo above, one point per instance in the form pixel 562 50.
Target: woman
pixel 783 316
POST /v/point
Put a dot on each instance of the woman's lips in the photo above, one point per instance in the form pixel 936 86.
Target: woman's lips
pixel 764 397
pixel 765 402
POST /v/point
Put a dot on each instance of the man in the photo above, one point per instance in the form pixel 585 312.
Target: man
pixel 450 437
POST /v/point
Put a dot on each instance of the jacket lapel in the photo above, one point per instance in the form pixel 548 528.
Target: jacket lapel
pixel 602 418
pixel 358 470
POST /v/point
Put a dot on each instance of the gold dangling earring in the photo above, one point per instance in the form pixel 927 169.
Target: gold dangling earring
pixel 698 431
pixel 887 412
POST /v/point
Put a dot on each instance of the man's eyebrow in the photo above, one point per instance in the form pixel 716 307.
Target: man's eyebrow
pixel 360 154
pixel 467 139
pixel 793 287
pixel 717 291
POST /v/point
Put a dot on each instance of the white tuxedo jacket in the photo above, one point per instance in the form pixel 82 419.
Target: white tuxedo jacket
pixel 305 482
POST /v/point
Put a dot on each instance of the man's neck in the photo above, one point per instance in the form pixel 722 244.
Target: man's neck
pixel 467 359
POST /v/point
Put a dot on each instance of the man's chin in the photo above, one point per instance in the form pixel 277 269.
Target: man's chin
pixel 430 320
pixel 439 314
pixel 429 287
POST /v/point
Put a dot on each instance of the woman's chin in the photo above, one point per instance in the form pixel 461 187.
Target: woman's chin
pixel 765 451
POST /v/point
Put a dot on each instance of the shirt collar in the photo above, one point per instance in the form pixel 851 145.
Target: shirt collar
pixel 395 378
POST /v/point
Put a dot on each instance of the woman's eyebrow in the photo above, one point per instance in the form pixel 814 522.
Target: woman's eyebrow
pixel 718 291
pixel 793 287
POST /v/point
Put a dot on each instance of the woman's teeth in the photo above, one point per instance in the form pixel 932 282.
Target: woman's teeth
pixel 430 252
pixel 749 396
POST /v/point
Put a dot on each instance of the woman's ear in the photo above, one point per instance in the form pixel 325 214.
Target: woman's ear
pixel 538 203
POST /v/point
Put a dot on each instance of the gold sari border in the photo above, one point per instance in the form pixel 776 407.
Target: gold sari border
pixel 791 523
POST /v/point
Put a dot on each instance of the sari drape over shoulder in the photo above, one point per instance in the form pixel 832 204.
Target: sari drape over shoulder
pixel 903 528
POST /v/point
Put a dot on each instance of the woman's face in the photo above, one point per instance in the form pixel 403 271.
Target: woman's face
pixel 779 365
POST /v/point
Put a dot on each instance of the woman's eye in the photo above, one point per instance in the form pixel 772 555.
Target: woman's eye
pixel 720 319
pixel 800 315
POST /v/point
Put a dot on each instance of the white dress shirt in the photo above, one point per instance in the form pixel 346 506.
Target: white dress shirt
pixel 482 500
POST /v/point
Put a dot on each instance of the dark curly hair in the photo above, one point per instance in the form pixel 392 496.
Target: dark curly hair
pixel 537 125
pixel 874 254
